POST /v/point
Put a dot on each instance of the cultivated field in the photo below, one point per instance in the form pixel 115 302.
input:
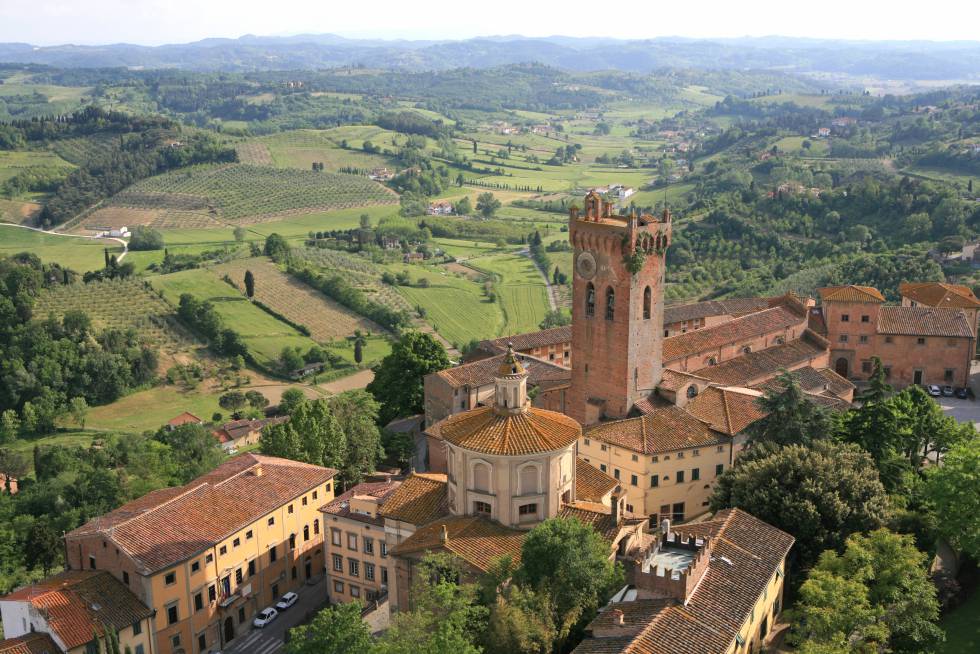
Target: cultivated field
pixel 80 149
pixel 325 318
pixel 264 335
pixel 246 193
pixel 120 304
pixel 521 290
pixel 18 211
pixel 81 255
pixel 454 306
pixel 300 148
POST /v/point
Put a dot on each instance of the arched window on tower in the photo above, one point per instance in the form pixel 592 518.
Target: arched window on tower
pixel 647 300
pixel 610 303
pixel 590 300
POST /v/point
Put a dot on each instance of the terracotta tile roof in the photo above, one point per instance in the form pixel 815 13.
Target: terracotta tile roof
pixel 752 325
pixel 482 372
pixel 531 431
pixel 850 293
pixel 924 321
pixel 36 643
pixel 235 429
pixel 591 484
pixel 635 615
pixel 604 645
pixel 666 429
pixel 529 341
pixel 476 540
pixel 675 380
pixel 79 603
pixel 747 368
pixel 380 490
pixel 813 380
pixel 727 410
pixel 938 294
pixel 724 598
pixel 169 526
pixel 731 307
pixel 420 499
pixel 599 516
pixel 184 418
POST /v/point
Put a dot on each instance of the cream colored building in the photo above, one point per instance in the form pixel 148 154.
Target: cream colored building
pixel 74 608
pixel 666 462
pixel 510 462
pixel 716 587
pixel 207 556
pixel 357 549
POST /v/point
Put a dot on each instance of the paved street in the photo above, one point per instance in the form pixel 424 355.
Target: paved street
pixel 962 410
pixel 270 639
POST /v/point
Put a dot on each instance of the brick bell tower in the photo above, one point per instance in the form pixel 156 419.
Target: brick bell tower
pixel 617 311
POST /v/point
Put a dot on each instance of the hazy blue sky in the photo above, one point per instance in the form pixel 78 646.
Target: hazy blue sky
pixel 48 22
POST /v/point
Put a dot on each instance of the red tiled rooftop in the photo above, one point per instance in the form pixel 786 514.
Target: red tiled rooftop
pixel 170 525
pixel 733 331
pixel 80 603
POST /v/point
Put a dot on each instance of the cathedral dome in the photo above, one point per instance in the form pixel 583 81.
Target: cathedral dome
pixel 530 431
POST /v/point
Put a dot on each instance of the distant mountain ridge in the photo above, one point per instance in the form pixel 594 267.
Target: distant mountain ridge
pixel 886 59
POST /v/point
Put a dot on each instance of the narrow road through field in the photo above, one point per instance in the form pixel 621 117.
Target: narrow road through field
pixel 51 233
pixel 552 291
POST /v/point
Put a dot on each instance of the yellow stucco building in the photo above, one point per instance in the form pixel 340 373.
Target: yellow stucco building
pixel 208 555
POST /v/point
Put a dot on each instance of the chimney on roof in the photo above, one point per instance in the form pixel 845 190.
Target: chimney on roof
pixel 257 470
pixel 617 616
pixel 617 506
pixel 444 536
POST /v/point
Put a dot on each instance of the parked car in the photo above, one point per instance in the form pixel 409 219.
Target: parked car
pixel 962 393
pixel 934 390
pixel 264 617
pixel 287 600
pixel 947 391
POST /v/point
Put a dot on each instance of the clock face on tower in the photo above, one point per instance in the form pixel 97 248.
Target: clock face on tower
pixel 585 265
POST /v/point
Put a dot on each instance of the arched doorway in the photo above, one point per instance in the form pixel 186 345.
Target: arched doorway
pixel 841 367
pixel 229 630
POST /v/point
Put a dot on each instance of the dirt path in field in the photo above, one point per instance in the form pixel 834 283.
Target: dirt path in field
pixel 348 383
pixel 104 238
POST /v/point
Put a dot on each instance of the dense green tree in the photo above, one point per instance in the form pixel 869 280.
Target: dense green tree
pixel 276 247
pixel 568 562
pixel 145 238
pixel 249 284
pixel 193 449
pixel 953 488
pixel 875 596
pixel 290 400
pixel 791 418
pixel 232 400
pixel 356 413
pixel 336 629
pixel 78 408
pixel 240 234
pixel 312 435
pixel 444 617
pixel 43 546
pixel 463 206
pixel 256 400
pixel 397 383
pixel 875 426
pixel 520 622
pixel 555 318
pixel 487 204
pixel 819 494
